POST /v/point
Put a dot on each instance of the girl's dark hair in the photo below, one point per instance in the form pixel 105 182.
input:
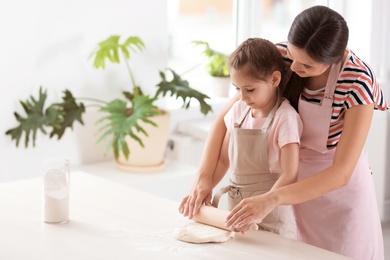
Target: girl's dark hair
pixel 323 34
pixel 258 58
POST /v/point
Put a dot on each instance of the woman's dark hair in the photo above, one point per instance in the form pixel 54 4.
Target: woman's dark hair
pixel 323 34
pixel 258 58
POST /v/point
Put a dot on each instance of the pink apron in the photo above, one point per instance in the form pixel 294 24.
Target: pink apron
pixel 346 220
pixel 251 176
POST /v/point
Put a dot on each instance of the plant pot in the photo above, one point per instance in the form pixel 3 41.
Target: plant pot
pixel 151 156
pixel 220 85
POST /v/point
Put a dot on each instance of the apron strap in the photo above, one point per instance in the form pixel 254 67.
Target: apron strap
pixel 218 195
pixel 267 122
pixel 331 83
pixel 265 184
pixel 271 115
pixel 238 125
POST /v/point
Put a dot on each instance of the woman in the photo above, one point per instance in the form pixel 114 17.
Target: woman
pixel 335 94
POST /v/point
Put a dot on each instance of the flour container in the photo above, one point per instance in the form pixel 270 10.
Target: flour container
pixel 56 190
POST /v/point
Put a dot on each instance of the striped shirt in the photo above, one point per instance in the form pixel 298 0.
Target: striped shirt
pixel 356 85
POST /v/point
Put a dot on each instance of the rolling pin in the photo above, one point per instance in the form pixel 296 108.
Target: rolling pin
pixel 215 217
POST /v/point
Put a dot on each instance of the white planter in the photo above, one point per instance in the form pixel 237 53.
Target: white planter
pixel 150 157
pixel 220 86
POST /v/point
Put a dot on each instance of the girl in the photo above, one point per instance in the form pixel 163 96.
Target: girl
pixel 261 144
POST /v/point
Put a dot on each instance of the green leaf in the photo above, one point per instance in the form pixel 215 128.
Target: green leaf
pixel 109 50
pixel 122 121
pixel 57 116
pixel 181 89
pixel 34 121
pixel 70 111
pixel 134 43
pixel 217 65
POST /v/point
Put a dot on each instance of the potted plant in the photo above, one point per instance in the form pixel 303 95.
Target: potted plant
pixel 131 118
pixel 217 68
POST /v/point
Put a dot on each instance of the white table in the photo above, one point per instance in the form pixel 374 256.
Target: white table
pixel 113 221
pixel 172 181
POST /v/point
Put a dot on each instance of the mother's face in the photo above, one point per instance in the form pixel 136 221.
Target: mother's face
pixel 302 64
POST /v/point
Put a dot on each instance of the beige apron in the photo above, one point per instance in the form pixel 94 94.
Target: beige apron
pixel 346 220
pixel 250 174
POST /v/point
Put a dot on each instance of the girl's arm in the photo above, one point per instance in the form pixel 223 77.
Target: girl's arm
pixel 223 162
pixel 202 188
pixel 356 127
pixel 289 160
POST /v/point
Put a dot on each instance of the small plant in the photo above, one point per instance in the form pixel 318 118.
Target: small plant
pixel 121 116
pixel 217 65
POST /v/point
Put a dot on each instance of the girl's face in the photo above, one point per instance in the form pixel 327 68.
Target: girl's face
pixel 302 64
pixel 258 94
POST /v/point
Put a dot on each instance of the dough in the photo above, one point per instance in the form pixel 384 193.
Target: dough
pixel 194 232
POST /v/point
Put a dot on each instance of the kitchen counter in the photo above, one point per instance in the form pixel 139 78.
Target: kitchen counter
pixel 173 181
pixel 109 220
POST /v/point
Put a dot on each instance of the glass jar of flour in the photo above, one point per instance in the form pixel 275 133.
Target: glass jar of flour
pixel 56 190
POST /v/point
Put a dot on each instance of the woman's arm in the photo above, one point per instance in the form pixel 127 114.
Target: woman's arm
pixel 202 187
pixel 356 127
pixel 289 160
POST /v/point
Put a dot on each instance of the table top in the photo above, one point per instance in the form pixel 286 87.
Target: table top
pixel 163 182
pixel 109 220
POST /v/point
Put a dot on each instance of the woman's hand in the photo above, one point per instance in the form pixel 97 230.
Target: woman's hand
pixel 250 210
pixel 200 194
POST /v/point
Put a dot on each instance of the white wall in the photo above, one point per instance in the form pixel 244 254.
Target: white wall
pixel 380 40
pixel 47 43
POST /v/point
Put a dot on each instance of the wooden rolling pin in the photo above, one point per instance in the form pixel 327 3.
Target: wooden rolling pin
pixel 215 217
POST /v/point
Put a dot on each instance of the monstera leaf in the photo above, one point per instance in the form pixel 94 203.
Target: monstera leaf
pixel 57 117
pixel 70 111
pixel 109 49
pixel 181 89
pixel 122 121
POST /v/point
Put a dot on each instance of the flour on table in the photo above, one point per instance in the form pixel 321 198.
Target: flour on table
pixel 194 232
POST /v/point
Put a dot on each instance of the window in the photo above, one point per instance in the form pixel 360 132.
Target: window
pixel 269 19
pixel 224 24
pixel 203 20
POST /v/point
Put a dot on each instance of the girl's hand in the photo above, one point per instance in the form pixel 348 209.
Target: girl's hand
pixel 201 194
pixel 248 211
